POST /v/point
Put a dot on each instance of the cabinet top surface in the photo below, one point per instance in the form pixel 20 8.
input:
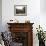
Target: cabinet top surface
pixel 19 23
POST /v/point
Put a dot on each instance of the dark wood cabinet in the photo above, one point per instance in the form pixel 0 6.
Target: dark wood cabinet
pixel 22 33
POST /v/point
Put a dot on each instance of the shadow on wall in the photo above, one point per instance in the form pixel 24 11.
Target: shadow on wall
pixel 0 15
pixel 0 24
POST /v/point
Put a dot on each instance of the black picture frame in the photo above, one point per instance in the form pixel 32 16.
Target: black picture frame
pixel 20 10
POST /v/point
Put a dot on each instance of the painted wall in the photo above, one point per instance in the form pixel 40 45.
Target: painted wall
pixel 33 11
pixel 0 15
pixel 43 6
pixel 33 14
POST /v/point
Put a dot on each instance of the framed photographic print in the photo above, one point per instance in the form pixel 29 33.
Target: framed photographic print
pixel 20 10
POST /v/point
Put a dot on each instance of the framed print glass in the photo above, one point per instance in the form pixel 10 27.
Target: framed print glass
pixel 20 10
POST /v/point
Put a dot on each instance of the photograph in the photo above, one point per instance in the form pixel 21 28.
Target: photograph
pixel 20 10
pixel 22 23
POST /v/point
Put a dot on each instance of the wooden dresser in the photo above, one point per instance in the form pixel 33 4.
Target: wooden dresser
pixel 22 33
